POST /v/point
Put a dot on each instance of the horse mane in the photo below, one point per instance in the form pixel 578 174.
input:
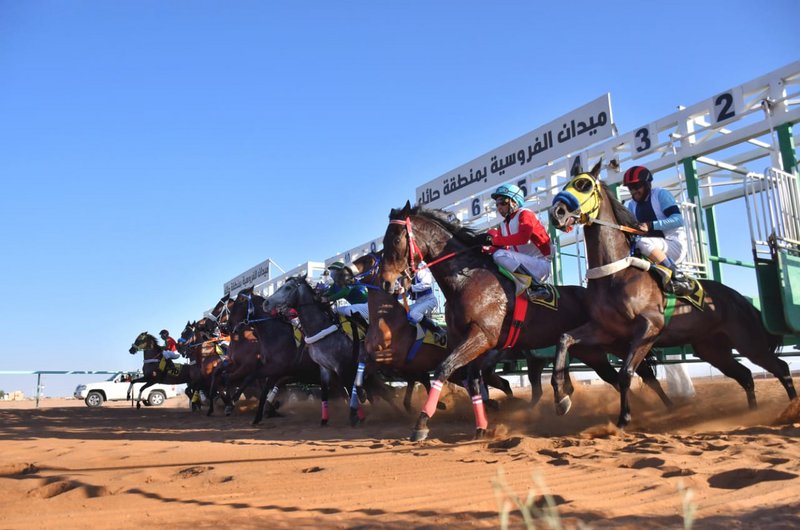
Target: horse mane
pixel 441 217
pixel 623 215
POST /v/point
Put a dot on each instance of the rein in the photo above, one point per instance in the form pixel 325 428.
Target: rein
pixel 414 247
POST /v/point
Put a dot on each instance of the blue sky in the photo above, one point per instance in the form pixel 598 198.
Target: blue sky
pixel 151 151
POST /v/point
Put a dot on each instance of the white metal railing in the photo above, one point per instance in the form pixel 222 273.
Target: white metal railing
pixel 694 263
pixel 773 209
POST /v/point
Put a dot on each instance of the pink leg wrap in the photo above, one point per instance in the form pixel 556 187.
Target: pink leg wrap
pixel 324 410
pixel 433 398
pixel 360 413
pixel 480 412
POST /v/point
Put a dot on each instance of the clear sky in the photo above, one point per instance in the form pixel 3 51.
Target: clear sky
pixel 151 151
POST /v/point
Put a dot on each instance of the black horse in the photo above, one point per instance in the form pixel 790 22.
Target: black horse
pixel 155 368
pixel 281 359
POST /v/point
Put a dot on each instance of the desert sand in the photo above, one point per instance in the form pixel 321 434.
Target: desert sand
pixel 67 466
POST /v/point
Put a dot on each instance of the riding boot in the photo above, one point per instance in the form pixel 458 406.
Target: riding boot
pixel 680 284
pixel 428 324
pixel 535 289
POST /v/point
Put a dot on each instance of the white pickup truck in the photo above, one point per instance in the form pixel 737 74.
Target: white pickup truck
pixel 116 389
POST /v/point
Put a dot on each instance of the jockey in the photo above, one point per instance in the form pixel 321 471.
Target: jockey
pixel 659 216
pixel 170 350
pixel 525 246
pixel 425 301
pixel 345 288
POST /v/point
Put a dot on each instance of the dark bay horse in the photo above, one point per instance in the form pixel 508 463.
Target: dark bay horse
pixel 280 361
pixel 392 341
pixel 153 368
pixel 627 305
pixel 199 342
pixel 336 354
pixel 480 303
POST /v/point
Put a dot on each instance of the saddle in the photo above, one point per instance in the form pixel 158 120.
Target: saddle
pixel 167 367
pixel 663 275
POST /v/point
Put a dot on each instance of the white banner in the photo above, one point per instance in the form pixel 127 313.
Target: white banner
pixel 258 274
pixel 570 133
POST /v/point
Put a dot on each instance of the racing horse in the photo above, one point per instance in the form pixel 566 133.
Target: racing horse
pixel 480 314
pixel 392 341
pixel 154 367
pixel 200 342
pixel 627 306
pixel 333 350
pixel 280 358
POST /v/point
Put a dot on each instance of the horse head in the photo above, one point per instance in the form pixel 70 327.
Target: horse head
pixel 242 310
pixel 294 292
pixel 221 311
pixel 187 337
pixel 144 342
pixel 579 201
pixel 414 235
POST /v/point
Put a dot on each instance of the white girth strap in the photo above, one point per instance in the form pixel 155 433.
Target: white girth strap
pixel 321 335
pixel 615 266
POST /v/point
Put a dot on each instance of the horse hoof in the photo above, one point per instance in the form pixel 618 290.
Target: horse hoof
pixel 563 406
pixel 323 423
pixel 419 436
pixel 480 434
pixel 441 406
pixel 228 410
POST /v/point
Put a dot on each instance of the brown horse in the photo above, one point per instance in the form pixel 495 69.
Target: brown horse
pixel 392 341
pixel 480 303
pixel 154 367
pixel 628 307
pixel 281 359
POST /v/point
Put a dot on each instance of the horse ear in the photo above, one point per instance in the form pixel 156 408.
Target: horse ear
pixel 596 168
pixel 576 168
pixel 406 208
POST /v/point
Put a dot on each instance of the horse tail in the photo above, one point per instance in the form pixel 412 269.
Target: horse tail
pixel 743 306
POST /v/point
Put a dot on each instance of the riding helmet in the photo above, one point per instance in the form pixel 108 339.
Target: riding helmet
pixel 336 266
pixel 512 191
pixel 636 175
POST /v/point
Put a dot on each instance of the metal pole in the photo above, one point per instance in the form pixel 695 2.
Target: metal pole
pixel 38 387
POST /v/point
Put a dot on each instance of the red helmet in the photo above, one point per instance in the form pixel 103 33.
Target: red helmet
pixel 637 175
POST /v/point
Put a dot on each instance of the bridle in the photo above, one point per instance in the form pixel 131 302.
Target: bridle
pixel 413 248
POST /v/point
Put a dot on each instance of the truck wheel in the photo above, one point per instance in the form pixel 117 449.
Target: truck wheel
pixel 94 399
pixel 156 398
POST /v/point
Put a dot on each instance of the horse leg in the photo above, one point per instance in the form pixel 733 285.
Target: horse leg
pixel 490 378
pixel 212 388
pixel 325 385
pixel 590 334
pixel 768 359
pixel 646 332
pixel 266 394
pixel 722 359
pixel 475 344
pixel 139 397
pixel 535 369
pixel 475 387
pixel 647 374
pixel 356 412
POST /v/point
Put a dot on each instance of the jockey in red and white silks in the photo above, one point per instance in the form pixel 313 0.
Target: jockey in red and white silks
pixel 525 247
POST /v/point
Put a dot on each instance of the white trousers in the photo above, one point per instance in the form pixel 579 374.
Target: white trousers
pixel 675 250
pixel 540 267
pixel 421 307
pixel 348 310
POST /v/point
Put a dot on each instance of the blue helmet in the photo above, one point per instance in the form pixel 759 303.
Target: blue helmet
pixel 511 191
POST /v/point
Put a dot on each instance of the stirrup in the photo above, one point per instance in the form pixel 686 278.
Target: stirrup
pixel 538 292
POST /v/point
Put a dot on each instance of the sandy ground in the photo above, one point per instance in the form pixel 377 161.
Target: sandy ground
pixel 66 466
